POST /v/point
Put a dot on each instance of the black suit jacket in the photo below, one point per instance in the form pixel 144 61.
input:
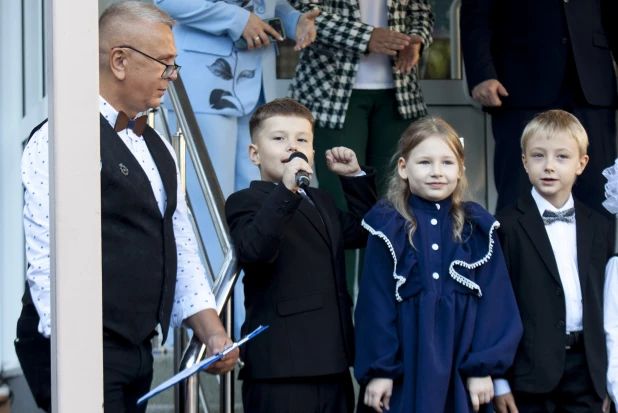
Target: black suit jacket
pixel 293 256
pixel 609 10
pixel 540 359
pixel 525 45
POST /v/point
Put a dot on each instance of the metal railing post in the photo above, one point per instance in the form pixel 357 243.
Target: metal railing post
pixel 227 380
pixel 188 392
pixel 455 39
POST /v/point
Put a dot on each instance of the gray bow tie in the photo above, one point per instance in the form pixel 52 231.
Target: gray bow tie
pixel 568 216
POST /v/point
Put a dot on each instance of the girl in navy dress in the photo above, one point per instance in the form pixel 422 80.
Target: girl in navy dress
pixel 436 316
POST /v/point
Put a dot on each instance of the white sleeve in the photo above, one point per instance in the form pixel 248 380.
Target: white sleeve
pixel 610 314
pixel 35 179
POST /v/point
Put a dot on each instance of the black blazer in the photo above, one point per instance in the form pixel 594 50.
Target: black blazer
pixel 609 10
pixel 525 45
pixel 540 359
pixel 293 256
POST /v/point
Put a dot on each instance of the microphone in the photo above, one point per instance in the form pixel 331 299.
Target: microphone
pixel 302 178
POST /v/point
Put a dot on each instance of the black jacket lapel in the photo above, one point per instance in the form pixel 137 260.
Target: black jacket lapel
pixel 315 217
pixel 532 223
pixel 314 214
pixel 316 197
pixel 585 235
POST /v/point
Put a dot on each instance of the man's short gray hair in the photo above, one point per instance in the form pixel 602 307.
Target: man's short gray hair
pixel 132 10
pixel 121 17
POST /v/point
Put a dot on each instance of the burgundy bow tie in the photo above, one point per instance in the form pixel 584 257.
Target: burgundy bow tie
pixel 123 122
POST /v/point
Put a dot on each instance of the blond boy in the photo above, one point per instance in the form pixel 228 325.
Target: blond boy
pixel 555 249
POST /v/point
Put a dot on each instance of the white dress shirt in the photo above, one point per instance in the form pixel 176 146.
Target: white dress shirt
pixel 193 293
pixel 375 70
pixel 610 316
pixel 563 239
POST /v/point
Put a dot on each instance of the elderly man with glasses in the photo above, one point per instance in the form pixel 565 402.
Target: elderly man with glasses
pixel 151 269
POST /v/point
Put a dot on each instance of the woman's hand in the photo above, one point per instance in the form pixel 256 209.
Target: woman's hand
pixel 408 57
pixel 256 33
pixel 305 29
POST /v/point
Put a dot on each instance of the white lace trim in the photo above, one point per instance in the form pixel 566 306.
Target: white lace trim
pixel 454 274
pixel 465 281
pixel 398 278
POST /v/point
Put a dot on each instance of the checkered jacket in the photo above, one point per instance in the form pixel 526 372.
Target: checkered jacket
pixel 327 68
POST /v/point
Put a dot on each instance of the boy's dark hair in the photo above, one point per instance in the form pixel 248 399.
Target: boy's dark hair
pixel 278 107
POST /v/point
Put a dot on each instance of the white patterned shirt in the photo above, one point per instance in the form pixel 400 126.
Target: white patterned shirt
pixel 193 293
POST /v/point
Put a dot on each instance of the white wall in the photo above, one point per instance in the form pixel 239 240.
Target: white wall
pixel 11 235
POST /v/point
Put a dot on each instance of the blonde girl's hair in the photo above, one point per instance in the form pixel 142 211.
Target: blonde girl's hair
pixel 398 192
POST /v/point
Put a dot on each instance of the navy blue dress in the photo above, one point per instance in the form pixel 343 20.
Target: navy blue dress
pixel 430 317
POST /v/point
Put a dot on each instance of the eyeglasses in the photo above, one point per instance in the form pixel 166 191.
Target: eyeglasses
pixel 169 69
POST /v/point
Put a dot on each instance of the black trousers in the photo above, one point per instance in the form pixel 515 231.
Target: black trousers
pixel 127 368
pixel 575 392
pixel 323 394
pixel 127 374
pixel 600 123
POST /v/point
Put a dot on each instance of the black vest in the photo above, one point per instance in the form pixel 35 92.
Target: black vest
pixel 138 244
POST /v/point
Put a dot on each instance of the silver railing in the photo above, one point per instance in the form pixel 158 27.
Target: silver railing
pixel 455 39
pixel 188 135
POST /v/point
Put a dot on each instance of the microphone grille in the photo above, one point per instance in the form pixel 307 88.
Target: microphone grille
pixel 298 155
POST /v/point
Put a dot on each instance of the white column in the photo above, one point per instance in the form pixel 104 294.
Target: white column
pixel 12 255
pixel 75 206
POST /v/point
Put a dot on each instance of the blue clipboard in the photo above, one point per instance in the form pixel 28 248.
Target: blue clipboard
pixel 198 367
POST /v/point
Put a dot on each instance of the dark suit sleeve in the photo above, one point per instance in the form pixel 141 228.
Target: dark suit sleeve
pixel 477 19
pixel 609 12
pixel 498 326
pixel 608 240
pixel 258 224
pixel 361 195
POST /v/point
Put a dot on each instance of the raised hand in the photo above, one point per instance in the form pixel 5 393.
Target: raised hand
pixel 305 29
pixel 342 161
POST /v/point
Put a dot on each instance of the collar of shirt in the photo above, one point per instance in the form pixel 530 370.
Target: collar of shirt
pixel 544 205
pixel 108 111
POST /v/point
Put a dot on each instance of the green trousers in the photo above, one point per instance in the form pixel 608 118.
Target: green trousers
pixel 372 129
